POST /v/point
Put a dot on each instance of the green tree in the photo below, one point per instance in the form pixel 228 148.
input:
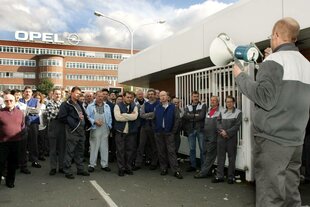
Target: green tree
pixel 45 86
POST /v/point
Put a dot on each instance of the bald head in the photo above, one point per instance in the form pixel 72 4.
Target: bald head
pixel 163 96
pixel 287 28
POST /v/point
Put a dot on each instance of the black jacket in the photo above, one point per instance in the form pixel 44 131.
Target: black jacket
pixel 194 119
pixel 69 115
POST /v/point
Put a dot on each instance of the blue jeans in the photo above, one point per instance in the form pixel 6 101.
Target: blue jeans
pixel 192 147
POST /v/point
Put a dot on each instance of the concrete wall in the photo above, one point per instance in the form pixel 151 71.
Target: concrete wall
pixel 246 21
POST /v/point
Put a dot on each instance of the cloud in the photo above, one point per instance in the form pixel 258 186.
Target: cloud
pixel 75 16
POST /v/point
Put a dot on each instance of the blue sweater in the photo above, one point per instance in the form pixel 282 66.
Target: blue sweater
pixel 166 117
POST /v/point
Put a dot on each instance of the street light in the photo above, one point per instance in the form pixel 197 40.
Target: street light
pixel 131 31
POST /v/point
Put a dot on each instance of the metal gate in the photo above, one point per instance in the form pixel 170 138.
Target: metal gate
pixel 219 81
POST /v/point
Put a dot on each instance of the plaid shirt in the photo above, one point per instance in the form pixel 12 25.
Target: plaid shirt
pixel 52 109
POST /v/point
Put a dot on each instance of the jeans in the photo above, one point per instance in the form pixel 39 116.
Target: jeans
pixel 192 147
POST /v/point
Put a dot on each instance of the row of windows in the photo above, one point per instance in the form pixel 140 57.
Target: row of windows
pixel 96 66
pixel 17 75
pixel 91 77
pixel 50 75
pixel 56 62
pixel 73 53
pixel 86 88
pixel 20 87
pixel 50 62
pixel 18 62
pixel 56 75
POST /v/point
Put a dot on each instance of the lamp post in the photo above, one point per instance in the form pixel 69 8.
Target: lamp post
pixel 131 31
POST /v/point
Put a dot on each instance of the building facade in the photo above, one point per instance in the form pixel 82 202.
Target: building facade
pixel 90 68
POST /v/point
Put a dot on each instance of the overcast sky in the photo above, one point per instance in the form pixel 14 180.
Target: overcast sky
pixel 76 16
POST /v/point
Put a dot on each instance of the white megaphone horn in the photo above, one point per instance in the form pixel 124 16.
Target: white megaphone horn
pixel 223 51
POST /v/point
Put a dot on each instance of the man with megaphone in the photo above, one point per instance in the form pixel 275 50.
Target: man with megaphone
pixel 281 94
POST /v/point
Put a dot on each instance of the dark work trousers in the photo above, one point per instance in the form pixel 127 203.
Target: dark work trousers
pixel 277 173
pixel 147 135
pixel 42 142
pixel 57 140
pixel 177 138
pixel 166 151
pixel 23 158
pixel 211 152
pixel 47 141
pixel 74 149
pixel 32 142
pixel 126 145
pixel 137 138
pixel 9 153
pixel 306 156
pixel 86 144
pixel 228 146
pixel 112 145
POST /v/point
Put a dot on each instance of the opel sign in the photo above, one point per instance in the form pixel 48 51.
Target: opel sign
pixel 73 39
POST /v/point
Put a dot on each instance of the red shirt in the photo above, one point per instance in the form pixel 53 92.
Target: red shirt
pixel 212 111
pixel 11 124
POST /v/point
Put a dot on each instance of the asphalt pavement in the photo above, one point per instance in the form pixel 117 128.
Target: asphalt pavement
pixel 144 188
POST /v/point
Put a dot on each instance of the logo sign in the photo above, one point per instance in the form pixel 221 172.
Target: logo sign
pixel 72 39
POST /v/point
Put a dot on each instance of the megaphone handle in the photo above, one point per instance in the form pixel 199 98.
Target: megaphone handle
pixel 237 62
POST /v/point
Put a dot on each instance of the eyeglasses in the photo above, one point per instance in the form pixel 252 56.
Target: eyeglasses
pixel 8 100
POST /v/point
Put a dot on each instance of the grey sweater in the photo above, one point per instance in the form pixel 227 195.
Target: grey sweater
pixel 281 94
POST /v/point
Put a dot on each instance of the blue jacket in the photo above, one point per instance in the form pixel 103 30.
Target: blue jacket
pixel 31 118
pixel 169 116
pixel 91 108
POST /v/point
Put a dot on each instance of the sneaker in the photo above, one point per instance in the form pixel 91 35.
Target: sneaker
pixel 25 171
pixel 36 165
pixel 191 169
pixel 61 171
pixel 52 172
pixel 83 173
pixel 69 176
pixel 107 169
pixel 91 169
pixel 178 175
pixel 164 172
pixel 217 180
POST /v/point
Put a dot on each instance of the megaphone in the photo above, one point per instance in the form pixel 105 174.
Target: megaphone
pixel 223 51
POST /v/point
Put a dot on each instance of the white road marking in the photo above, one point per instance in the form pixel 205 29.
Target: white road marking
pixel 104 195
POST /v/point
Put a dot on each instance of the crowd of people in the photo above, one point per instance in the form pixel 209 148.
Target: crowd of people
pixel 135 129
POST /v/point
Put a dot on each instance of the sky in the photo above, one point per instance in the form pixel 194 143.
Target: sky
pixel 77 16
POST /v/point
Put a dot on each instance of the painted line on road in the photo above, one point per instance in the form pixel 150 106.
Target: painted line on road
pixel 105 196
